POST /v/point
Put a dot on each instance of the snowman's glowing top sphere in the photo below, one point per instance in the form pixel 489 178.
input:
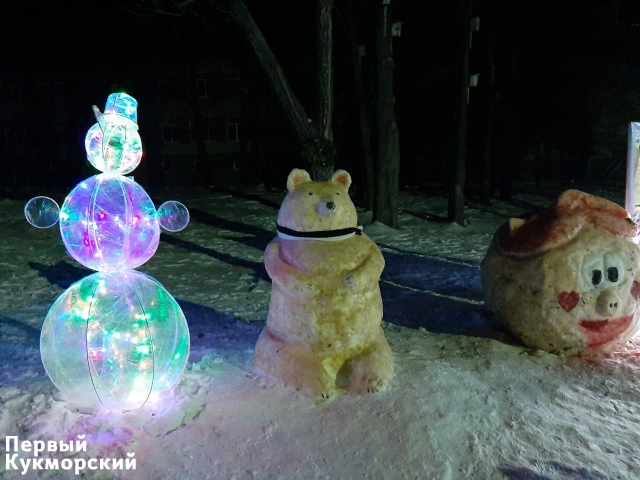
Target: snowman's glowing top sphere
pixel 118 340
pixel 109 223
pixel 113 144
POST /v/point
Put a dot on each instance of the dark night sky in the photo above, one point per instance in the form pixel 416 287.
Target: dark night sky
pixel 575 58
pixel 556 32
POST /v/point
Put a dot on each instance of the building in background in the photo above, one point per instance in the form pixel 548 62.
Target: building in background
pixel 203 123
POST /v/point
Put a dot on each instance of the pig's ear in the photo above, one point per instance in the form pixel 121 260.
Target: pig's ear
pixel 343 178
pixel 296 177
pixel 515 224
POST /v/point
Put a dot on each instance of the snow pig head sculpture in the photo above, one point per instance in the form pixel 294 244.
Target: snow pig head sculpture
pixel 324 330
pixel 567 280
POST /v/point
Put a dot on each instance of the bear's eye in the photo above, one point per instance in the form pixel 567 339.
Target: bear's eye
pixel 612 274
pixel 596 277
pixel 310 193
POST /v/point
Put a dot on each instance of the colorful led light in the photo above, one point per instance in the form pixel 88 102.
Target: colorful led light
pixel 113 144
pixel 119 351
pixel 109 224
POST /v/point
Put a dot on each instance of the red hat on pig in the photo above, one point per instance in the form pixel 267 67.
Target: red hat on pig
pixel 561 222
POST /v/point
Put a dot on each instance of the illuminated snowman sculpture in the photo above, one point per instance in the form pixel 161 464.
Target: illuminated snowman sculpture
pixel 116 338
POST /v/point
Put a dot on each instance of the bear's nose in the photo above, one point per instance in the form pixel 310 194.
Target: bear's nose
pixel 608 303
pixel 331 206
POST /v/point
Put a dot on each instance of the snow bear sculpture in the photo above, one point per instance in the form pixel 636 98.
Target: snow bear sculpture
pixel 323 331
pixel 567 280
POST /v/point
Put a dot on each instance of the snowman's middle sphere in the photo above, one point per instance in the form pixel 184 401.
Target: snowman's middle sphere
pixel 109 223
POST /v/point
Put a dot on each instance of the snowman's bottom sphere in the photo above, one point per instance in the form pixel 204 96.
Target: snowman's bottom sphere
pixel 115 339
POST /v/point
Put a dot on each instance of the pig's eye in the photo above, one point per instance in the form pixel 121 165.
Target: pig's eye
pixel 310 193
pixel 596 277
pixel 592 269
pixel 614 268
pixel 337 193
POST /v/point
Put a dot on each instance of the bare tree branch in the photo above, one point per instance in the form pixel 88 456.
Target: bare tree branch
pixel 275 74
pixel 616 8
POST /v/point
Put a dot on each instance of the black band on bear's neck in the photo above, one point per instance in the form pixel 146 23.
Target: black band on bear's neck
pixel 319 233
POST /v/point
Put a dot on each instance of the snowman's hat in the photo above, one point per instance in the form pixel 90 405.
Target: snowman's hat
pixel 119 104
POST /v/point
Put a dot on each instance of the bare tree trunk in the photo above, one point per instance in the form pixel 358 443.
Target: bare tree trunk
pixel 487 155
pixel 320 151
pixel 324 73
pixel 490 100
pixel 509 155
pixel 456 193
pixel 388 144
pixel 294 110
pixel 363 117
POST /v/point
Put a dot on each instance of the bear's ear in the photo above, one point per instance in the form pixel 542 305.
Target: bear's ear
pixel 296 177
pixel 342 177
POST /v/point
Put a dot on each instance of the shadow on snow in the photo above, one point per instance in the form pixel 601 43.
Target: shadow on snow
pixel 258 267
pixel 257 237
pixel 251 197
pixel 565 472
pixel 440 295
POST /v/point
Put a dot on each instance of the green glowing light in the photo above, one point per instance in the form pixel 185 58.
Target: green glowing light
pixel 143 349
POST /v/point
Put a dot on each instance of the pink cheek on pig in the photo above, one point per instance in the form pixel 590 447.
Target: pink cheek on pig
pixel 568 300
pixel 635 290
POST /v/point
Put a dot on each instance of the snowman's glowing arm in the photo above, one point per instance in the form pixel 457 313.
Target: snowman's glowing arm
pixel 173 216
pixel 101 121
pixel 42 212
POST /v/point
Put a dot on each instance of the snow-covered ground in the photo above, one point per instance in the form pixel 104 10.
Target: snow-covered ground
pixel 466 401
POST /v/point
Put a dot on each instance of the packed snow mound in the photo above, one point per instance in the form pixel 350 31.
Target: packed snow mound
pixel 466 400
